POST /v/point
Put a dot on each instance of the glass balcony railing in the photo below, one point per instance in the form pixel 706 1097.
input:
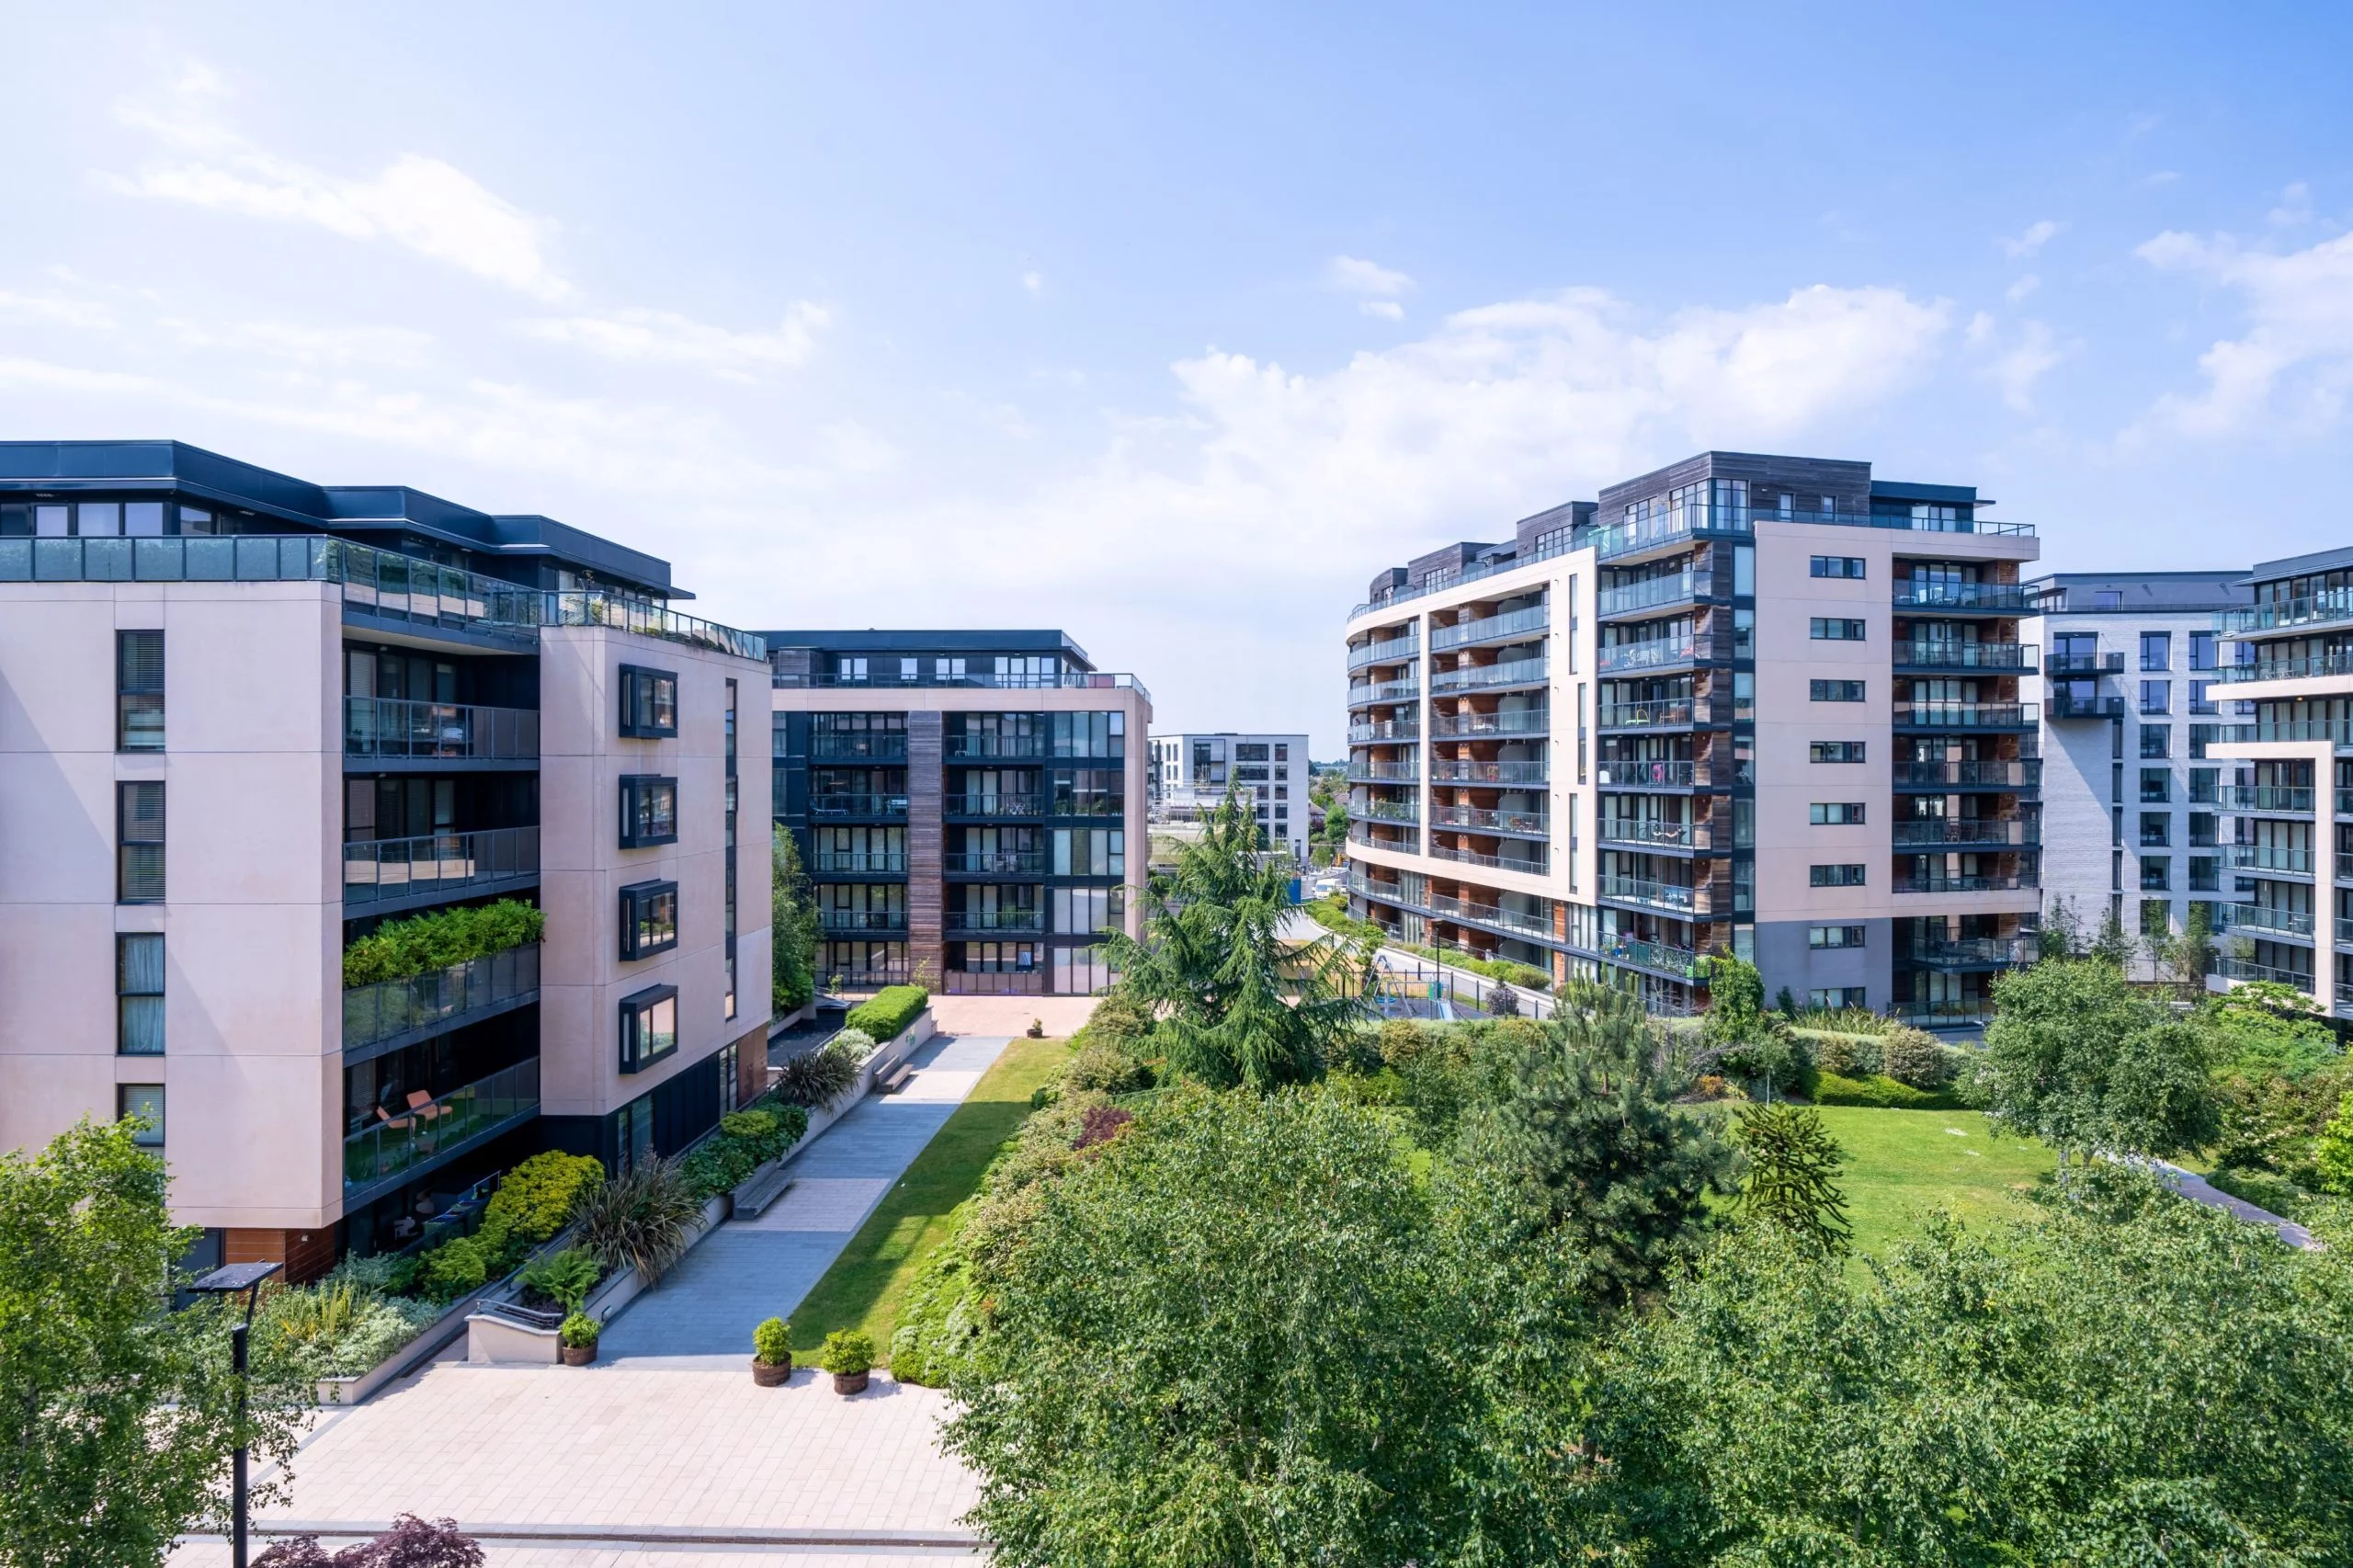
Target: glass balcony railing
pixel 2276 800
pixel 2024 773
pixel 1511 625
pixel 1525 865
pixel 1464 770
pixel 2293 862
pixel 2060 665
pixel 998 747
pixel 2318 665
pixel 994 982
pixel 2296 924
pixel 1970 952
pixel 1966 715
pixel 862 919
pixel 1676 526
pixel 1481 820
pixel 1663 774
pixel 1985 881
pixel 1364 692
pixel 441 864
pixel 1676 896
pixel 983 680
pixel 1952 1012
pixel 1667 713
pixel 390 729
pixel 2017 657
pixel 858 745
pixel 1661 956
pixel 858 803
pixel 2011 831
pixel 1368 886
pixel 1384 772
pixel 1999 598
pixel 1677 587
pixel 995 862
pixel 1518 721
pixel 2066 704
pixel 1493 915
pixel 1384 730
pixel 995 920
pixel 445 998
pixel 1658 652
pixel 1387 810
pixel 2231 967
pixel 1480 677
pixel 1651 832
pixel 865 862
pixel 2319 609
pixel 1389 651
pixel 2337 732
pixel 419 1135
pixel 1546 547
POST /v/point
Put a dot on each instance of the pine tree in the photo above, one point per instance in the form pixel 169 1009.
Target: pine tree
pixel 1792 1175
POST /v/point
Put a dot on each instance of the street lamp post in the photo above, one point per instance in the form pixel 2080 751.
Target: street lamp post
pixel 228 1282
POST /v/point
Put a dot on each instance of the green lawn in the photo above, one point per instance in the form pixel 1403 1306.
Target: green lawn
pixel 1900 1163
pixel 863 1288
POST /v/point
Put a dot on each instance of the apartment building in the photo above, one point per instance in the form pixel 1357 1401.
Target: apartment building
pixel 246 720
pixel 2290 752
pixel 1192 775
pixel 962 800
pixel 1765 705
pixel 2135 811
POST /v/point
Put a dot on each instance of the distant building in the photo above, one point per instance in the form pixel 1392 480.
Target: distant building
pixel 1192 773
pixel 2134 800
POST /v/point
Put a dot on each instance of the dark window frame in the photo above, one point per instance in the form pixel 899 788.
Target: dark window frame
pixel 639 902
pixel 1834 691
pixel 140 1004
pixel 640 828
pixel 1834 752
pixel 641 702
pixel 136 691
pixel 124 877
pixel 1837 874
pixel 636 1008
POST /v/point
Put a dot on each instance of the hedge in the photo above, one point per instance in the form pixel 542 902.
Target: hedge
pixel 423 943
pixel 889 1011
pixel 746 1140
pixel 1881 1093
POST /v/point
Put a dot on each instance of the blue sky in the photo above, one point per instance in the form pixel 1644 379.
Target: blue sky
pixel 1172 326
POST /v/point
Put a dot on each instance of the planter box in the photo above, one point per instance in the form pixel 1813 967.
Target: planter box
pixel 438 1336
pixel 492 1340
pixel 759 1189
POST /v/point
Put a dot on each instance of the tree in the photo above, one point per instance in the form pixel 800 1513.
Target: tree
pixel 1242 1003
pixel 1792 1175
pixel 2333 1153
pixel 1598 1153
pixel 2111 947
pixel 793 928
pixel 2187 957
pixel 118 1415
pixel 2078 1058
pixel 2062 936
pixel 1745 1037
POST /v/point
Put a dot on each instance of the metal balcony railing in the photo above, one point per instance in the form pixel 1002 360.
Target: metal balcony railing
pixel 1530 865
pixel 1518 721
pixel 884 862
pixel 995 920
pixel 997 748
pixel 1661 956
pixel 1676 587
pixel 443 864
pixel 1666 774
pixel 1480 819
pixel 1986 882
pixel 1511 625
pixel 2006 598
pixel 1966 715
pixel 2023 774
pixel 1676 896
pixel 1003 804
pixel 2231 967
pixel 1480 678
pixel 858 803
pixel 1652 833
pixel 1464 770
pixel 2012 831
pixel 995 862
pixel 449 1122
pixel 858 745
pixel 442 999
pixel 855 920
pixel 2011 657
pixel 390 729
pixel 983 680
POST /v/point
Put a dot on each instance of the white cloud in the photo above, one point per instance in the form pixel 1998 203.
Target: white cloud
pixel 55 310
pixel 2295 361
pixel 2037 235
pixel 2022 287
pixel 1387 310
pixel 2015 363
pixel 646 336
pixel 1351 275
pixel 2295 208
pixel 2161 176
pixel 1034 282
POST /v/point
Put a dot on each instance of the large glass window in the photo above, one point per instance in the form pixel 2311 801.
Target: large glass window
pixel 2201 650
pixel 649 1026
pixel 1090 852
pixel 649 701
pixel 649 919
pixel 649 809
pixel 144 1101
pixel 1093 735
pixel 139 830
pixel 139 690
pixel 138 994
pixel 2156 649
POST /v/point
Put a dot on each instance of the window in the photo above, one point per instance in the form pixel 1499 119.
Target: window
pixel 138 994
pixel 1251 751
pixel 144 1101
pixel 2156 873
pixel 910 669
pixel 2204 785
pixel 1084 911
pixel 1823 629
pixel 1831 999
pixel 1834 751
pixel 649 1026
pixel 1090 852
pixel 2156 830
pixel 850 668
pixel 2156 786
pixel 649 809
pixel 649 701
pixel 2108 598
pixel 649 919
pixel 1835 690
pixel 2201 650
pixel 1282 751
pixel 1102 735
pixel 2201 699
pixel 1848 876
pixel 139 691
pixel 2156 649
pixel 139 837
pixel 2204 735
pixel 2157 696
pixel 949 669
pixel 730 1089
pixel 2157 740
pixel 1833 936
pixel 1835 813
pixel 2205 874
pixel 1838 565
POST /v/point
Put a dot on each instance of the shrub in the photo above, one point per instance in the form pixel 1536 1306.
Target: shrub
pixel 1881 1093
pixel 846 1351
pixel 2265 1190
pixel 421 943
pixel 1106 1068
pixel 1849 1055
pixel 1843 1020
pixel 1117 1019
pixel 639 1220
pixel 534 1201
pixel 565 1277
pixel 1914 1057
pixel 856 1044
pixel 411 1542
pixel 816 1079
pixel 457 1268
pixel 579 1330
pixel 772 1343
pixel 1100 1124
pixel 886 1014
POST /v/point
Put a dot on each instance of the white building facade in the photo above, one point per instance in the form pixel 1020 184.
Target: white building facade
pixel 1192 773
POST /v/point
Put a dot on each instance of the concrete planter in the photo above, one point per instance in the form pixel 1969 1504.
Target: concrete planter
pixel 438 1335
pixel 759 1189
pixel 492 1340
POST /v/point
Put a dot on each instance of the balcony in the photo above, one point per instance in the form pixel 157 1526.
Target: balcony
pixel 2336 731
pixel 995 982
pixel 1988 881
pixel 1384 772
pixel 1392 651
pixel 1677 897
pixel 1952 1013
pixel 1494 915
pixel 394 1013
pixel 983 680
pixel 863 922
pixel 1387 810
pixel 1463 726
pixel 1676 588
pixel 995 922
pixel 2234 968
pixel 1361 833
pixel 1966 599
pixel 865 862
pixel 1380 730
pixel 1478 818
pixel 1489 678
pixel 408 872
pixel 866 979
pixel 1666 530
pixel 1526 865
pixel 1667 713
pixel 1647 832
pixel 854 745
pixel 384 728
pixel 2321 609
pixel 1364 692
pixel 857 804
pixel 2023 774
pixel 2274 858
pixel 1966 716
pixel 1464 770
pixel 995 863
pixel 1656 653
pixel 1662 957
pixel 997 748
pixel 2273 800
pixel 2012 832
pixel 1971 953
pixel 2063 665
pixel 2309 668
pixel 1001 804
pixel 2013 658
pixel 1546 547
pixel 1366 886
pixel 1668 774
pixel 2297 924
pixel 460 1120
pixel 1515 625
pixel 2068 705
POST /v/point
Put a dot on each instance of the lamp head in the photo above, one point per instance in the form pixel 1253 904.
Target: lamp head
pixel 235 1276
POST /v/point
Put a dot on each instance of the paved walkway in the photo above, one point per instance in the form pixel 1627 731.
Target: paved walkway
pixel 2198 1189
pixel 747 1270
pixel 1063 1015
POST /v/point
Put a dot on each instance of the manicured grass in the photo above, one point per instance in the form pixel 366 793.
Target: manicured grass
pixel 863 1288
pixel 1901 1163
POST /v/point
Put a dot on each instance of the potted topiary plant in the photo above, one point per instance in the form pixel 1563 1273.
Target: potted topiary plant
pixel 1037 1028
pixel 577 1339
pixel 772 1354
pixel 849 1355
